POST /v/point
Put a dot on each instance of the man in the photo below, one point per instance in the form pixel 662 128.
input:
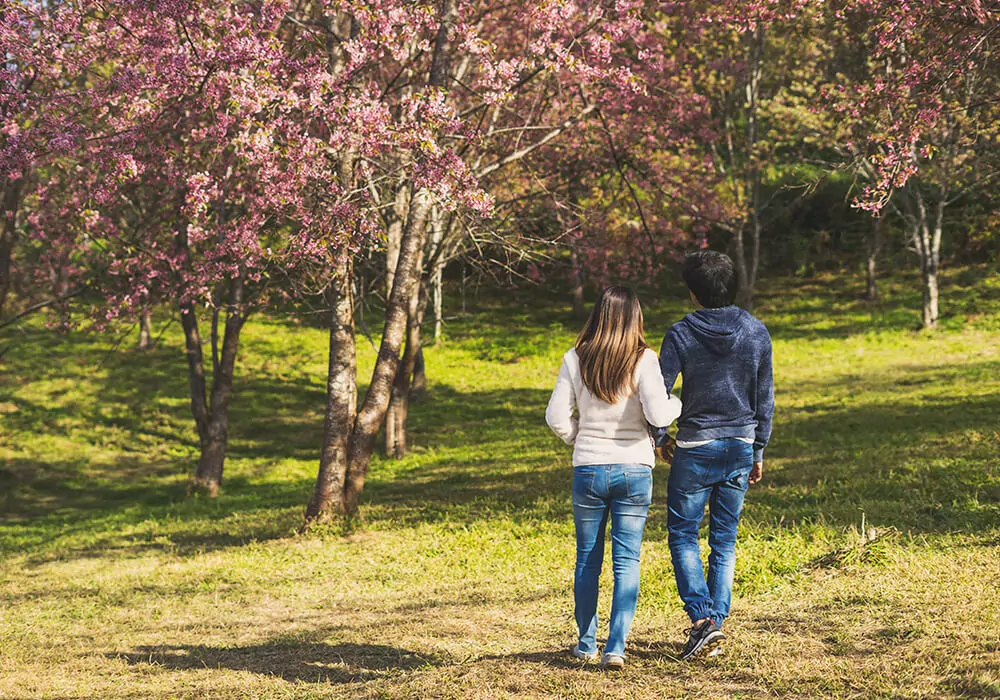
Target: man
pixel 724 355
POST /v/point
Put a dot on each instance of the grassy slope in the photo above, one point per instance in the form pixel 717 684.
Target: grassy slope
pixel 113 584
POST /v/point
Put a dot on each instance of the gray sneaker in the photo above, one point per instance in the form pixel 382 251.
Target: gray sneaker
pixel 612 662
pixel 702 638
pixel 583 655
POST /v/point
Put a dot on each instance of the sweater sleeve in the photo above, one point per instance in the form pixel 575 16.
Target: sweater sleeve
pixel 559 412
pixel 765 401
pixel 660 408
pixel 670 367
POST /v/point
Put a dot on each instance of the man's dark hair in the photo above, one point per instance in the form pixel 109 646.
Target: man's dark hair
pixel 711 276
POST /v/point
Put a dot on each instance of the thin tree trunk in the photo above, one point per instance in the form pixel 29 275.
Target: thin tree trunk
pixel 399 406
pixel 927 240
pixel 401 207
pixel 930 295
pixel 419 372
pixel 740 261
pixel 145 330
pixel 437 258
pixel 750 267
pixel 341 400
pixel 394 235
pixel 376 403
pixel 8 234
pixel 437 290
pixel 874 246
pixel 211 417
pixel 395 422
pixel 196 373
pixel 576 284
pixel 216 439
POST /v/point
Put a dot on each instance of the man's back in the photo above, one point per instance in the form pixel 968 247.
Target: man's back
pixel 724 355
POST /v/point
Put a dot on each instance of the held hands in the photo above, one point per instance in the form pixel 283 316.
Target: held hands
pixel 666 450
pixel 757 473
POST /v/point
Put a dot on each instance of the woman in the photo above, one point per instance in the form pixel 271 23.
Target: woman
pixel 612 379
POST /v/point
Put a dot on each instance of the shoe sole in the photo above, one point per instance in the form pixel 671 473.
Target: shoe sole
pixel 709 642
pixel 614 666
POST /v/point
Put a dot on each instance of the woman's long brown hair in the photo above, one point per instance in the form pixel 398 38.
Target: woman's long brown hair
pixel 611 344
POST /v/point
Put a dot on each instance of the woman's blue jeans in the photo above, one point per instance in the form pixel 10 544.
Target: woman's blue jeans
pixel 624 492
pixel 716 474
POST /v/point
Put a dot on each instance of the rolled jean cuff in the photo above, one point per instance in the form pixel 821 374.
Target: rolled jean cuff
pixel 700 611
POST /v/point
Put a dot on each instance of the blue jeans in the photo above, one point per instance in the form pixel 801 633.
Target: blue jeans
pixel 717 474
pixel 624 491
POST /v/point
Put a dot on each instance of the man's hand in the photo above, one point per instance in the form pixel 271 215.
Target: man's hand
pixel 666 450
pixel 757 473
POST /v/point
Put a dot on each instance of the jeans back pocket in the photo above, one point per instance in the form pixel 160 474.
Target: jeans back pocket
pixel 583 486
pixel 639 486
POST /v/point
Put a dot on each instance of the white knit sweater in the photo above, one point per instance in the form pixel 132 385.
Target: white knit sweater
pixel 604 433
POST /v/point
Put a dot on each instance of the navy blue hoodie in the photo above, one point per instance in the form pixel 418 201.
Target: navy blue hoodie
pixel 728 391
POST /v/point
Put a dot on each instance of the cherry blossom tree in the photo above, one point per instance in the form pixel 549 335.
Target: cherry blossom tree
pixel 198 174
pixel 922 120
pixel 481 86
pixel 43 64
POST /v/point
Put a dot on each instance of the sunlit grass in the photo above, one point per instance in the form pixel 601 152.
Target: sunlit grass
pixel 457 583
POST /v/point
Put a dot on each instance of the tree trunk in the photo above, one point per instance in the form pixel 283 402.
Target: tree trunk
pixel 376 403
pixel 930 299
pixel 395 234
pixel 216 439
pixel 745 294
pixel 747 269
pixel 145 330
pixel 927 239
pixel 341 400
pixel 437 290
pixel 930 295
pixel 395 422
pixel 874 246
pixel 419 372
pixel 399 406
pixel 437 258
pixel 576 284
pixel 394 238
pixel 196 373
pixel 8 235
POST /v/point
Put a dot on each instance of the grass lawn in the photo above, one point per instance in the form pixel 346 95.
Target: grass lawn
pixel 868 563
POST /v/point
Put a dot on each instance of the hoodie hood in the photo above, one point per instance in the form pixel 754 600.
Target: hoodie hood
pixel 718 330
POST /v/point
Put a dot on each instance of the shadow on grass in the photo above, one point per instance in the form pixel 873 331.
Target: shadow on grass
pixel 291 660
pixel 480 454
pixel 973 684
pixel 52 510
pixel 655 651
pixel 142 402
pixel 558 659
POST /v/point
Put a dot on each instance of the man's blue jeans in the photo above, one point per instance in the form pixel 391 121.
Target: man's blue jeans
pixel 624 492
pixel 717 474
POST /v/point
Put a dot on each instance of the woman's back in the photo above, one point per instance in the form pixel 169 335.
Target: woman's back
pixel 610 433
